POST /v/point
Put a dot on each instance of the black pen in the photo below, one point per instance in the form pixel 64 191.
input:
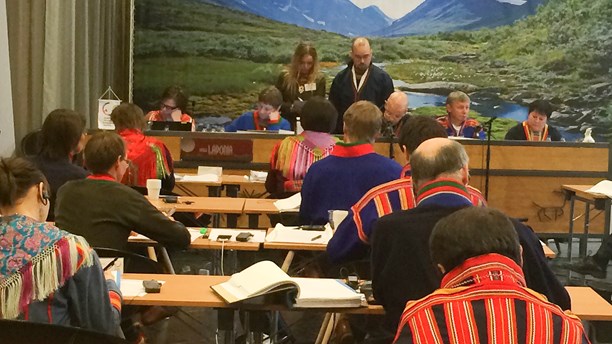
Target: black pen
pixel 315 238
pixel 110 264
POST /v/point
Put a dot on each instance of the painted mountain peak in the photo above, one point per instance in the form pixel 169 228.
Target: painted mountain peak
pixel 339 16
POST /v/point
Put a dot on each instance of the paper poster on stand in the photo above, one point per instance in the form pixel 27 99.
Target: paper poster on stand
pixel 105 107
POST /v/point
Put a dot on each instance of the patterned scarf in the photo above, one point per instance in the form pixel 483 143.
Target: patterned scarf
pixel 443 192
pixel 36 259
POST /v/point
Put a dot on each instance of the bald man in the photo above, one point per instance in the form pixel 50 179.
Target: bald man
pixel 360 80
pixel 395 114
pixel 401 265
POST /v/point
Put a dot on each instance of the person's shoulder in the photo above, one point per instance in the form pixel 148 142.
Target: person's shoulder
pixel 152 115
pixel 343 73
pixel 383 189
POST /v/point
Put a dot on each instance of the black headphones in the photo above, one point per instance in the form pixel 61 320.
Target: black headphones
pixel 45 197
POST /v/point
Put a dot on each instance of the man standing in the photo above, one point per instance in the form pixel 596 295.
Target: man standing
pixel 339 180
pixel 483 297
pixel 535 127
pixel 456 122
pixel 395 114
pixel 104 211
pixel 360 80
pixel 401 265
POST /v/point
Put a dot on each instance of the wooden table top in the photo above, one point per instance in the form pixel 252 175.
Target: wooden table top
pixel 207 244
pixel 215 205
pixel 195 291
pixel 581 190
pixel 293 246
pixel 226 179
pixel 260 206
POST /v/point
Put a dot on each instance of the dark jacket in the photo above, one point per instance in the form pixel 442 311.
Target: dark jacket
pixel 342 93
pixel 105 212
pixel 402 269
pixel 518 133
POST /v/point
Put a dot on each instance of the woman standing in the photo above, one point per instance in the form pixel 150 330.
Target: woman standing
pixel 48 275
pixel 300 81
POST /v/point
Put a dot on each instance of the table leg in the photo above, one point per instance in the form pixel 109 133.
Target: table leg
pixel 166 260
pixel 323 328
pixel 253 221
pixel 232 221
pixel 288 260
pixel 232 190
pixel 571 226
pixel 225 324
pixel 330 328
pixel 214 191
pixel 585 238
pixel 216 220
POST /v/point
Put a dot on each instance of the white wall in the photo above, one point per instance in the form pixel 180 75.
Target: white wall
pixel 7 127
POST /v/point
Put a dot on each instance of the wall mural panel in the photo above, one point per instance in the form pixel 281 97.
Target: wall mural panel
pixel 504 53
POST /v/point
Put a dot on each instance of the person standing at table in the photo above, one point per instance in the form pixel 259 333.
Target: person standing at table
pixel 149 157
pixel 172 108
pixel 353 167
pixel 401 266
pixel 61 137
pixel 360 80
pixel 300 81
pixel 535 127
pixel 456 122
pixel 48 275
pixel 292 157
pixel 265 117
pixel 104 211
pixel 483 296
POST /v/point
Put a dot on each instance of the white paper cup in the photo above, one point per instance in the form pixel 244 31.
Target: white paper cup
pixel 153 188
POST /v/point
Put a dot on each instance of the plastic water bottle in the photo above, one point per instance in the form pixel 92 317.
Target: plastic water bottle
pixel 298 126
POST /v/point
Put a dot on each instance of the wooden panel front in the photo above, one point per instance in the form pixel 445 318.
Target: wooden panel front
pixel 551 158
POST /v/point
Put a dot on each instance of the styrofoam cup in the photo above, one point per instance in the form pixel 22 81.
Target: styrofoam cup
pixel 153 188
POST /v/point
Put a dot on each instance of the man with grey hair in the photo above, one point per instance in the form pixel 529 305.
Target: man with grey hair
pixel 401 266
pixel 360 80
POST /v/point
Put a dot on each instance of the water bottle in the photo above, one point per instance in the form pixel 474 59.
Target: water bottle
pixel 298 126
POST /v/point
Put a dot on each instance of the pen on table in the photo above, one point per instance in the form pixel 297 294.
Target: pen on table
pixel 315 238
pixel 300 99
pixel 110 264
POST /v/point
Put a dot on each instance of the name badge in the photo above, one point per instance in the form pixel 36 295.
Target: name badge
pixel 310 87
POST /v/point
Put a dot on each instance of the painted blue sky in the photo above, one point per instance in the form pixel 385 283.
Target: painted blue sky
pixel 396 9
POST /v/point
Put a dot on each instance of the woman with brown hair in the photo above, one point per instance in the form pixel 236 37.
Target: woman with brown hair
pixel 300 81
pixel 172 108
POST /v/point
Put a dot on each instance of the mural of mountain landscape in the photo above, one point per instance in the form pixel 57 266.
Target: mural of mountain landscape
pixel 224 51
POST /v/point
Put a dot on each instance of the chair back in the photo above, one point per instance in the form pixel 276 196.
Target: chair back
pixel 26 332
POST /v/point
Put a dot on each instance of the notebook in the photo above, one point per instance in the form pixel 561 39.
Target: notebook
pixel 309 292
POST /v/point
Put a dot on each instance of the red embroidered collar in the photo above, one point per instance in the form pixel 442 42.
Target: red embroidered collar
pixel 489 268
pixel 352 150
pixel 102 176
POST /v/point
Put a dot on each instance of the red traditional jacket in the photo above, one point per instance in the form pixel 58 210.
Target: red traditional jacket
pixel 148 158
pixel 484 300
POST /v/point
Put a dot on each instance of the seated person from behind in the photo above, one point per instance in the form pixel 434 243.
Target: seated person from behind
pixel 351 241
pixel 456 122
pixel 395 114
pixel 149 158
pixel 32 253
pixel 300 81
pixel 292 157
pixel 534 128
pixel 483 296
pixel 339 180
pixel 401 267
pixel 61 137
pixel 172 108
pixel 103 210
pixel 265 117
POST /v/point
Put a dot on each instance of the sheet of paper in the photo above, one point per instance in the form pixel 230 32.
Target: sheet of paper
pixel 258 235
pixel 291 203
pixel 258 176
pixel 286 132
pixel 281 233
pixel 604 187
pixel 132 288
pixel 193 232
pixel 203 178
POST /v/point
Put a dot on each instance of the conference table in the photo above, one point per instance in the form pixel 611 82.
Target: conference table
pixel 211 205
pixel 231 183
pixel 598 201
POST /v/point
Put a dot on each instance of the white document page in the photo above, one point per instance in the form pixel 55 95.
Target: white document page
pixel 281 233
pixel 291 203
pixel 604 187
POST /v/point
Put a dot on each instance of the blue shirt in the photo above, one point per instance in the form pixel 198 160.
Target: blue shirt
pixel 248 121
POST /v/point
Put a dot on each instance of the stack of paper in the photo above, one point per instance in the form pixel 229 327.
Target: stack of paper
pixel 194 232
pixel 282 233
pixel 202 178
pixel 289 204
pixel 604 187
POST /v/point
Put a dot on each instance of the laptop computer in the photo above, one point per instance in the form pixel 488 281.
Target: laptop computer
pixel 170 126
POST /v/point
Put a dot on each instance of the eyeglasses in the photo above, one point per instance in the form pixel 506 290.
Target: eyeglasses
pixel 165 106
pixel 128 161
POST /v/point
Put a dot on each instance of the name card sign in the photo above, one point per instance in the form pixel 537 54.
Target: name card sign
pixel 217 149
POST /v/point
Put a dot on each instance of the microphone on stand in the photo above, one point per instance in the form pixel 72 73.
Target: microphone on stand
pixel 489 125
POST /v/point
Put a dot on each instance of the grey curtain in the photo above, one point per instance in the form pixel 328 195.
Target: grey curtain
pixel 64 54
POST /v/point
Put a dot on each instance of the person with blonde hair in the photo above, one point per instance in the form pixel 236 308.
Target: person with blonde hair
pixel 456 122
pixel 352 168
pixel 300 81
